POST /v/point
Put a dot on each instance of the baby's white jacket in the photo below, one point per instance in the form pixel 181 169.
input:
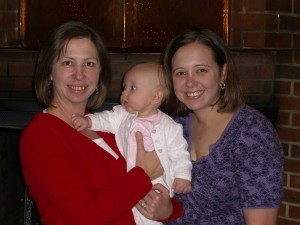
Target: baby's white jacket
pixel 167 135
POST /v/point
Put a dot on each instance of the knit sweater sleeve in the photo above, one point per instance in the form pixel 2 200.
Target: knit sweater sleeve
pixel 70 177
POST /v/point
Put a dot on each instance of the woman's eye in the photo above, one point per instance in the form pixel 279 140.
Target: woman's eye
pixel 90 64
pixel 179 73
pixel 67 63
pixel 202 70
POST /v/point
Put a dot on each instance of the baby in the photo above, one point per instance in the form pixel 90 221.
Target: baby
pixel 144 90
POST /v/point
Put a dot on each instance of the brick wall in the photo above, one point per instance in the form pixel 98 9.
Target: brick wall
pixel 265 41
pixel 273 26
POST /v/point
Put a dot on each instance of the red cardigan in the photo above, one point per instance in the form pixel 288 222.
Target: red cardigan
pixel 74 181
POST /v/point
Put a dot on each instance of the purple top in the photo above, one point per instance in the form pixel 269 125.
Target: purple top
pixel 242 171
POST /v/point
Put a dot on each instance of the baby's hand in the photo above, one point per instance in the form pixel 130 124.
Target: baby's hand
pixel 181 186
pixel 79 122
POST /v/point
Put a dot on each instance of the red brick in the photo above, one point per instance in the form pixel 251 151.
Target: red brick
pixel 282 87
pixel 248 22
pixel 283 118
pixel 279 5
pixel 252 58
pixel 259 99
pixel 296 119
pixel 295 24
pixel 253 86
pixel 9 19
pixel 297 56
pixel 285 147
pixel 254 39
pixel 288 72
pixel 254 5
pixel 291 196
pixel 269 58
pixel 294 212
pixel 271 23
pixel 295 181
pixel 296 38
pixel 296 88
pixel 9 4
pixel 286 221
pixel 278 40
pixel 282 210
pixel 297 6
pixel 290 23
pixel 255 72
pixel 288 103
pixel 284 180
pixel 289 134
pixel 237 6
pixel 295 151
pixel 12 4
pixel 236 38
pixel 268 87
pixel 284 57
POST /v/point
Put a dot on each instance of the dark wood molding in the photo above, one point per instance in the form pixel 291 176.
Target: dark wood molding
pixel 125 25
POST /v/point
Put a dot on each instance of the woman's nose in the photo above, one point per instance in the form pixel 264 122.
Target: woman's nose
pixel 190 80
pixel 79 73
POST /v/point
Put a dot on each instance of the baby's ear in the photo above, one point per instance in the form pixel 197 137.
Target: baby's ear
pixel 158 97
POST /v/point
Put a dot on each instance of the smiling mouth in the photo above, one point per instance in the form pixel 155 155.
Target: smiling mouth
pixel 194 94
pixel 77 88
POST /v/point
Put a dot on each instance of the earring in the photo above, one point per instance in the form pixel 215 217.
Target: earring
pixel 49 83
pixel 222 86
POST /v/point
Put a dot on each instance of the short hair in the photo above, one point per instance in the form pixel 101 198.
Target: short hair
pixel 51 50
pixel 231 97
pixel 164 81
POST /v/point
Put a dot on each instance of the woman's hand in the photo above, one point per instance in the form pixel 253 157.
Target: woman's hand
pixel 156 205
pixel 148 161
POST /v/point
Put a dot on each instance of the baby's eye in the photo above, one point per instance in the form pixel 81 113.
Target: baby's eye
pixel 133 88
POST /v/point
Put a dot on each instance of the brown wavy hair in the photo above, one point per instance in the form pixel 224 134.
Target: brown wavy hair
pixel 231 97
pixel 54 46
